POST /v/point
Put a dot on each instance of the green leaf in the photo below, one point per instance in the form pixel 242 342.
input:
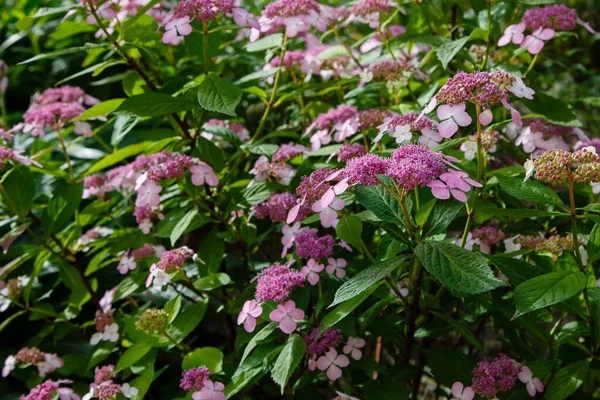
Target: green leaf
pixel 63 52
pixel 517 271
pixel 251 370
pixel 531 191
pixel 342 311
pixel 26 22
pixel 20 186
pixel 288 360
pixel 567 380
pixel 256 193
pixel 142 383
pixel 256 339
pixel 443 214
pixel 100 110
pixel 461 271
pixel 212 281
pixel 450 365
pixel 154 104
pixel 258 75
pixel 548 289
pixel 365 279
pixel 385 388
pixel 67 29
pixel 218 95
pixel 187 320
pixel 211 153
pixel 448 50
pixel 210 357
pixel 553 110
pixel 268 42
pixel 61 208
pixel 134 354
pixel 593 246
pixel 381 202
pixel 10 319
pixel 518 212
pixel 182 225
pixel 167 225
pixel 349 229
pixel 172 308
pixel 265 149
pixel 123 125
pixel 211 251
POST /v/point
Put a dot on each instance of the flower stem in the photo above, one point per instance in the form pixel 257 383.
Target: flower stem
pixel 263 120
pixel 531 65
pixel 64 150
pixel 205 47
pixel 348 49
pixel 386 43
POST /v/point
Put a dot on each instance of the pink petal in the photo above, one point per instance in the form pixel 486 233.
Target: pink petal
pixel 341 186
pixel 327 198
pixel 518 38
pixel 184 29
pixel 546 34
pixel 448 128
pixel 334 373
pixel 441 193
pixel 535 45
pixel 462 118
pixel 444 112
pixel 525 375
pixel 297 314
pixel 504 40
pixel 313 278
pixel 538 384
pixel 323 363
pixel 468 393
pixel 531 389
pixel 459 195
pixel 356 354
pixel 293 214
pixel 250 324
pixel 277 315
pixel 287 325
pixel 338 204
pixel 486 117
pixel 328 217
pixel 457 389
pixel 516 117
pixel 169 36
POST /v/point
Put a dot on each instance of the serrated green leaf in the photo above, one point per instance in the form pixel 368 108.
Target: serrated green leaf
pixel 567 380
pixel 461 271
pixel 448 50
pixel 548 289
pixel 288 360
pixel 218 95
pixel 154 104
pixel 531 191
pixel 268 42
pixel 349 229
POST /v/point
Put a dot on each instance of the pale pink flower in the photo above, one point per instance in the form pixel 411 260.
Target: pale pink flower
pixel 354 346
pixel 452 117
pixel 460 392
pixel 533 385
pixel 244 18
pixel 333 364
pixel 311 271
pixel 455 183
pixel 148 194
pixel 176 29
pixel 535 41
pixel 520 89
pixel 202 173
pixel 289 234
pixel 328 214
pixel 126 264
pixel 210 391
pixel 512 33
pixel 9 364
pixel 287 314
pixel 336 266
pixel 486 117
pixel 430 138
pixel 250 312
pixel 319 138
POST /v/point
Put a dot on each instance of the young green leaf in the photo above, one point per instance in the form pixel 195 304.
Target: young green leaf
pixel 288 360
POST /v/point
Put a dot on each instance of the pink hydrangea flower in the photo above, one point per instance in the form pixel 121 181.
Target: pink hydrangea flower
pixel 176 29
pixel 250 312
pixel 336 266
pixel 460 392
pixel 534 385
pixel 486 117
pixel 210 391
pixel 535 41
pixel 512 33
pixel 311 271
pixel 452 117
pixel 244 18
pixel 333 364
pixel 126 264
pixel 148 194
pixel 287 314
pixel 455 183
pixel 328 214
pixel 354 346
pixel 202 173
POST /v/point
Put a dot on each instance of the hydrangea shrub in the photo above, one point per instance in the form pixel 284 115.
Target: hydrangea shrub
pixel 218 199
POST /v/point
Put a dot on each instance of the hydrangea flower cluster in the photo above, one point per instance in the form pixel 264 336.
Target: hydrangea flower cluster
pixel 54 108
pixel 485 237
pixel 296 17
pixel 559 166
pixel 538 135
pixel 485 89
pixel 170 261
pixel 8 154
pixel 152 321
pixel 402 127
pixel 317 344
pixel 49 389
pixel 279 171
pixel 194 379
pixel 128 259
pixel 493 376
pixel 393 72
pixel 555 244
pixel 46 363
pixel 349 151
pixel 370 11
pixel 277 207
pixel 237 128
pixel 276 282
pixel 342 122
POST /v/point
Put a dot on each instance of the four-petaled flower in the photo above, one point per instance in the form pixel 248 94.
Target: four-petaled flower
pixel 129 391
pixel 354 346
pixel 535 41
pixel 148 194
pixel 533 385
pixel 126 264
pixel 460 392
pixel 311 271
pixel 333 364
pixel 203 173
pixel 328 214
pixel 402 134
pixel 210 391
pixel 337 266
pixel 452 117
pixel 455 183
pixel 176 29
pixel 512 33
pixel 250 312
pixel 287 314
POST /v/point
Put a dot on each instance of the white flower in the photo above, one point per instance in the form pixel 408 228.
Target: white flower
pixel 96 338
pixel 402 134
pixel 161 278
pixel 519 89
pixel 529 169
pixel 9 364
pixel 50 363
pixel 129 391
pixel 111 332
